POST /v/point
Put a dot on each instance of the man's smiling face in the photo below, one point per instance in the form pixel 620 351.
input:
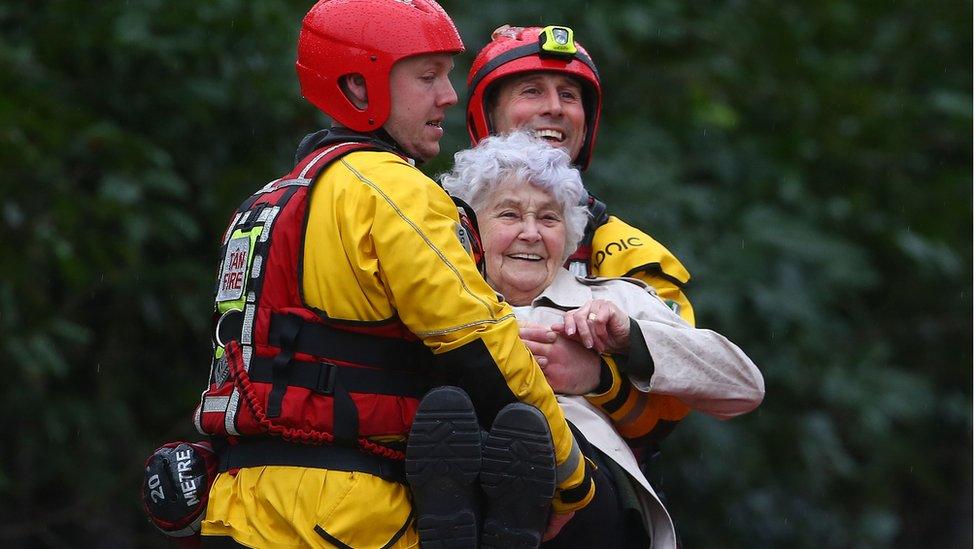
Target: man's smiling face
pixel 548 104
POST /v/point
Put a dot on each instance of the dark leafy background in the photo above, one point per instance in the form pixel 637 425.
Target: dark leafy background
pixel 809 162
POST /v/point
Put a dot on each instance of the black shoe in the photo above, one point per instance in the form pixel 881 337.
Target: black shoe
pixel 518 476
pixel 443 459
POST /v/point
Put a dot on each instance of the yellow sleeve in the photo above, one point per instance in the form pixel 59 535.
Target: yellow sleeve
pixel 622 250
pixel 639 417
pixel 441 297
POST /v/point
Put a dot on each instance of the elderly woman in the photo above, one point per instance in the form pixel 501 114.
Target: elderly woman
pixel 526 196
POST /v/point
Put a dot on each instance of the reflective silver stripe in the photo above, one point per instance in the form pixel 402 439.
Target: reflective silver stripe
pixel 196 419
pixel 246 357
pixel 251 297
pixel 291 182
pixel 302 179
pixel 266 230
pixel 248 324
pixel 214 404
pixel 203 399
pixel 256 266
pixel 304 174
pixel 231 414
pixel 264 215
pixel 244 217
pixel 230 228
pixel 568 467
pixel 269 186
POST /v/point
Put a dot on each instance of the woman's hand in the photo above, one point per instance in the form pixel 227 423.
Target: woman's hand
pixel 570 368
pixel 598 325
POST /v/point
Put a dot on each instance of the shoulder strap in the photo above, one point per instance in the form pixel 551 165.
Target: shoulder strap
pixel 578 262
pixel 469 234
pixel 598 214
pixel 305 171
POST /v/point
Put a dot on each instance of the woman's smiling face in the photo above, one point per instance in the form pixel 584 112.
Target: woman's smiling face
pixel 524 237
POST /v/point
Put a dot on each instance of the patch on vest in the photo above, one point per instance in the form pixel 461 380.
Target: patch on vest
pixel 221 371
pixel 233 274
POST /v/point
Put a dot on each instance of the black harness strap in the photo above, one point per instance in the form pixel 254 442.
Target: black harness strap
pixel 345 416
pixel 377 352
pixel 323 377
pixel 597 214
pixel 268 451
pixel 281 367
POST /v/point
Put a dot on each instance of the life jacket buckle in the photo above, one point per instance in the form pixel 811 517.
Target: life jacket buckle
pixel 326 379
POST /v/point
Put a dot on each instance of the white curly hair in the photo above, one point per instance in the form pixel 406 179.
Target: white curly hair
pixel 520 157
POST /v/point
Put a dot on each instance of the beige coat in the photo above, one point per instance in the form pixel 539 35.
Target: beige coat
pixel 700 367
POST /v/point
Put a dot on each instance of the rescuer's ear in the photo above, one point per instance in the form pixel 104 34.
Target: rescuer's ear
pixel 354 86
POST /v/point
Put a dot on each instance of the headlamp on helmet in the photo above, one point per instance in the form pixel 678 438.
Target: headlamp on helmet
pixel 557 41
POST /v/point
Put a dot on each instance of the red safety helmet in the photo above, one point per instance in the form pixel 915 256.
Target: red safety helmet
pixel 341 37
pixel 515 50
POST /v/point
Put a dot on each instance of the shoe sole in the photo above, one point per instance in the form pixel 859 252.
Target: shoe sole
pixel 442 465
pixel 518 476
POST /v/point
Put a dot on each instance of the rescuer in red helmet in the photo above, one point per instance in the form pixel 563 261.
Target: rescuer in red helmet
pixel 345 290
pixel 542 80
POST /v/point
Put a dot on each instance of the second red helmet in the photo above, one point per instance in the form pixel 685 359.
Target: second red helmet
pixel 516 50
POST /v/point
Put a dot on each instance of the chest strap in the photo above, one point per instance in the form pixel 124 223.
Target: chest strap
pixel 323 377
pixel 325 341
pixel 268 451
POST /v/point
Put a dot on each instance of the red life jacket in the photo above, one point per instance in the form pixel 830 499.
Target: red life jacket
pixel 284 369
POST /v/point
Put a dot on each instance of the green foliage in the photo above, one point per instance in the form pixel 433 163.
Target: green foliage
pixel 810 165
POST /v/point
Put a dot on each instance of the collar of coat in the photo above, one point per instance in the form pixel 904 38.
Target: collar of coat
pixel 567 292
